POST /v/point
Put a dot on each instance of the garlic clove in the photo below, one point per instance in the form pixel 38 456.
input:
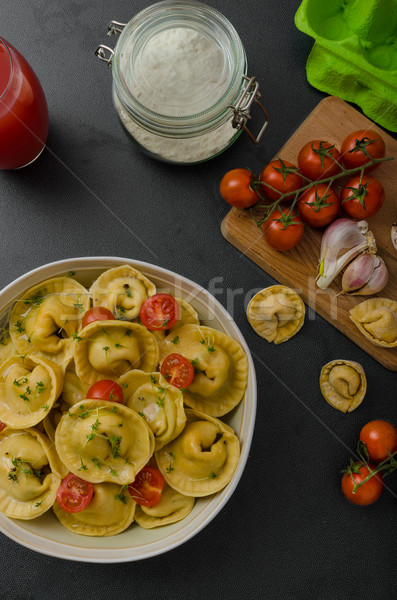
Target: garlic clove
pixel 342 241
pixel 358 272
pixel 394 235
pixel 376 282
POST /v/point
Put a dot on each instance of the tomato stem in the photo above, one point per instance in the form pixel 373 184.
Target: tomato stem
pixel 257 185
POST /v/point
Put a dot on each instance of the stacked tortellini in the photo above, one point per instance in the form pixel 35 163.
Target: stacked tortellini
pixel 49 428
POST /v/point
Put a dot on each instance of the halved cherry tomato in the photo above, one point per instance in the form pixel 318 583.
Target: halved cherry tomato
pixel 106 389
pixel 319 205
pixel 177 370
pixel 362 197
pixel 379 437
pixel 147 487
pixel 283 229
pixel 236 190
pixel 369 492
pixel 74 494
pixel 283 176
pixel 159 312
pixel 2 425
pixel 98 313
pixel 359 147
pixel 319 159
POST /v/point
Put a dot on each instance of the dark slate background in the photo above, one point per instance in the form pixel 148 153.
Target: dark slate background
pixel 287 532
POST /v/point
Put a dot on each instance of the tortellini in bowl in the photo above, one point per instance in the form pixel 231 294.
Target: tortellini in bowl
pixel 53 429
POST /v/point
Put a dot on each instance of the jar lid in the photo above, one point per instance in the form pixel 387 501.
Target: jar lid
pixel 178 61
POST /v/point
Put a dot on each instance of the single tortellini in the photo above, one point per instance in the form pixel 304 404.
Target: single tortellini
pixel 172 507
pixel 30 473
pixel 29 387
pixel 343 384
pixel 122 290
pixel 376 318
pixel 160 404
pixel 276 313
pixel 108 349
pixel 221 367
pixel 187 316
pixel 202 459
pixel 47 316
pixel 104 441
pixel 74 390
pixel 110 511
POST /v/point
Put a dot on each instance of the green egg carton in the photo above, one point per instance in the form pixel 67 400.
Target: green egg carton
pixel 355 53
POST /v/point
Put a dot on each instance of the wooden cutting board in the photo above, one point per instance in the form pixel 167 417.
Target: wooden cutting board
pixel 331 120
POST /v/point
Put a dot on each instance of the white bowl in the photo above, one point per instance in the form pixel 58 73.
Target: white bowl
pixel 46 534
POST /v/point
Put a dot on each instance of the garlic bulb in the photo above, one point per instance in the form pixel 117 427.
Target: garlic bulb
pixel 342 241
pixel 366 275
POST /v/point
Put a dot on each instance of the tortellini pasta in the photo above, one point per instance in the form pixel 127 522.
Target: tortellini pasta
pixel 159 404
pixel 47 316
pixel 221 367
pixel 29 387
pixel 202 460
pixel 30 473
pixel 49 428
pixel 122 290
pixel 172 507
pixel 104 441
pixel 376 318
pixel 108 349
pixel 343 384
pixel 276 313
pixel 110 512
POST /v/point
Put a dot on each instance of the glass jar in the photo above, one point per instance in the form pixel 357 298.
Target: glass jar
pixel 179 81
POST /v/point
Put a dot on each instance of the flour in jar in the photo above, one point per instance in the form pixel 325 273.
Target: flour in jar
pixel 177 72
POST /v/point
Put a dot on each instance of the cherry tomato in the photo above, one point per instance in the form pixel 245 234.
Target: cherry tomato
pixel 159 312
pixel 369 492
pixel 319 159
pixel 177 370
pixel 283 176
pixel 283 230
pixel 236 188
pixel 2 425
pixel 106 389
pixel 74 494
pixel 147 487
pixel 362 200
pixel 359 147
pixel 319 205
pixel 379 436
pixel 98 313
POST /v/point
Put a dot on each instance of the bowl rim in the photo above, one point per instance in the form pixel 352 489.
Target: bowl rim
pixel 56 548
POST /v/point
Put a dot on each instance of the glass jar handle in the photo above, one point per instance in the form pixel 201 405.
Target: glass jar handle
pixel 242 110
pixel 105 53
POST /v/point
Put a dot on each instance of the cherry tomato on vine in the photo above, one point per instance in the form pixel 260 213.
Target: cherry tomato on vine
pixel 159 312
pixel 283 229
pixel 147 487
pixel 283 176
pixel 74 494
pixel 359 147
pixel 98 313
pixel 362 197
pixel 319 159
pixel 236 188
pixel 177 370
pixel 379 437
pixel 106 389
pixel 319 205
pixel 369 492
